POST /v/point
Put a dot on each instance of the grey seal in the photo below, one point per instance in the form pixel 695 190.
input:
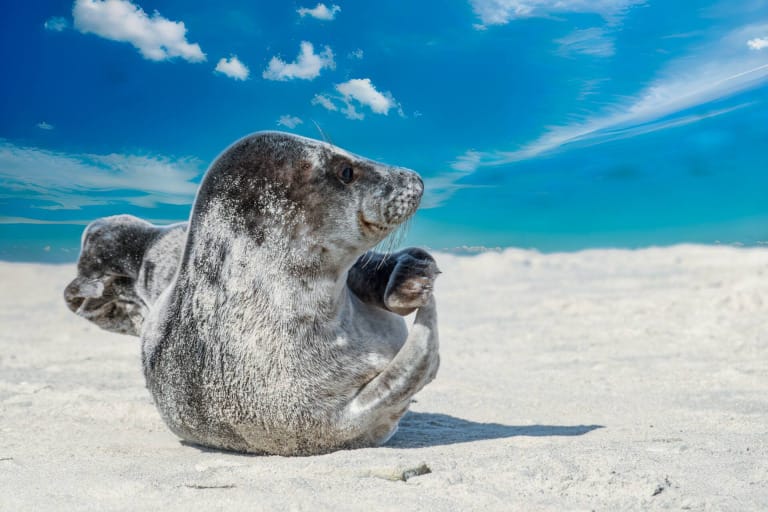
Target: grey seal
pixel 280 332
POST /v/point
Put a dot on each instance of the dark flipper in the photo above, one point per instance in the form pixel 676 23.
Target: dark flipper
pixel 110 302
pixel 400 282
pixel 112 259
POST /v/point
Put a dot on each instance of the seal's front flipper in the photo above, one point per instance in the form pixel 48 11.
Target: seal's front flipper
pixel 401 282
pixel 411 282
pixel 415 365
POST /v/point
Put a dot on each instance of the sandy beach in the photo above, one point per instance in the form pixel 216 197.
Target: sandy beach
pixel 597 380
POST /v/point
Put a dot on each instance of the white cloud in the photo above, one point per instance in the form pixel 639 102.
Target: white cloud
pixel 356 54
pixel 758 43
pixel 325 102
pixel 591 41
pixel 350 112
pixel 71 181
pixel 307 66
pixel 45 126
pixel 56 24
pixel 233 68
pixel 289 121
pixel 500 12
pixel 155 37
pixel 355 93
pixel 362 91
pixel 320 12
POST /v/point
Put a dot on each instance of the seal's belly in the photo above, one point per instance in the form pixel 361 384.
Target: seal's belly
pixel 271 396
pixel 246 407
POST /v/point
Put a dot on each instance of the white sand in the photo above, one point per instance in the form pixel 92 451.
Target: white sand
pixel 665 349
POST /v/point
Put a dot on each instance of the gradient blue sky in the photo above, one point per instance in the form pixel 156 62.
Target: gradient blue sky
pixel 552 124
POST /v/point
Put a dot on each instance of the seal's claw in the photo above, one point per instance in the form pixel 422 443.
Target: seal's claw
pixel 411 283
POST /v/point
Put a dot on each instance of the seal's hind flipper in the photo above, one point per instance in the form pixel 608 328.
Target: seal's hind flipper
pixel 110 302
pixel 112 261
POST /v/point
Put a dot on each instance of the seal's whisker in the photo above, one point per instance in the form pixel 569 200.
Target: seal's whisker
pixel 380 247
pixel 392 242
pixel 365 259
pixel 399 235
pixel 384 248
pixel 325 136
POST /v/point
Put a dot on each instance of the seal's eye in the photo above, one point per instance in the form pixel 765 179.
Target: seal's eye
pixel 347 175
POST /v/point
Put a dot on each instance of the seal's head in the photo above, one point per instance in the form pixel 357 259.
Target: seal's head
pixel 305 197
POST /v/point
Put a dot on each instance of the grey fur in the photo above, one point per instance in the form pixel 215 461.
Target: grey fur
pixel 274 335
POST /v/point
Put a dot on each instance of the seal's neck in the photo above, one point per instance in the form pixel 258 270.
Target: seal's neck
pixel 276 281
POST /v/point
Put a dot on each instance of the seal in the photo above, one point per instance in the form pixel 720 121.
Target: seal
pixel 280 332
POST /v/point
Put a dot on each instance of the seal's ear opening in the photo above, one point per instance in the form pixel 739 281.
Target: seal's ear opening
pixel 109 301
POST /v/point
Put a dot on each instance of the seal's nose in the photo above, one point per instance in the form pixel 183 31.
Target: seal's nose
pixel 412 181
pixel 418 185
pixel 405 197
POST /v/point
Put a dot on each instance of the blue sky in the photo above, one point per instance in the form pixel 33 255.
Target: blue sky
pixel 552 124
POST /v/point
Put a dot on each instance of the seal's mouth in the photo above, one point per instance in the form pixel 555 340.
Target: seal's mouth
pixel 370 228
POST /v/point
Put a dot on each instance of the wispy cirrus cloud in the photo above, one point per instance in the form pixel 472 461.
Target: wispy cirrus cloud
pixel 306 67
pixel 320 12
pixel 155 37
pixel 441 187
pixel 45 126
pixel 71 181
pixel 598 133
pixel 715 71
pixel 718 70
pixel 590 41
pixel 501 12
pixel 233 68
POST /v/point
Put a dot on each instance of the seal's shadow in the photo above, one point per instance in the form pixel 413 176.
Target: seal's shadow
pixel 422 429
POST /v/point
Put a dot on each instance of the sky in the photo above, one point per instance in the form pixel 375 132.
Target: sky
pixel 556 125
